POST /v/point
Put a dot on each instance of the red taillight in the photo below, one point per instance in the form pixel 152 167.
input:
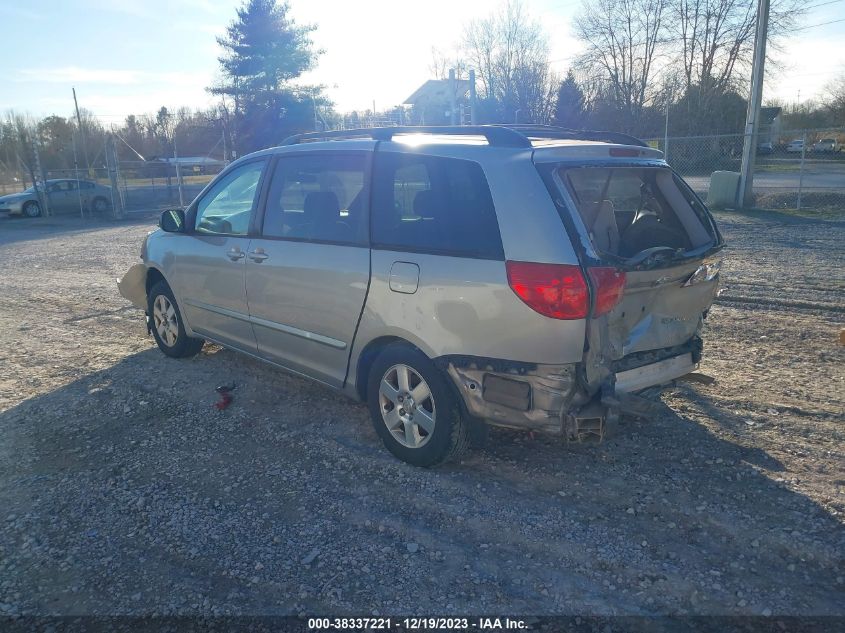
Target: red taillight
pixel 554 290
pixel 608 284
pixel 559 291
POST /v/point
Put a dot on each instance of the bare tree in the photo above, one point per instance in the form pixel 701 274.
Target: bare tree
pixel 713 43
pixel 441 64
pixel 510 53
pixel 623 39
pixel 834 100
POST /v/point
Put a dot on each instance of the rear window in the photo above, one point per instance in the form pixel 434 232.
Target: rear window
pixel 627 210
pixel 433 204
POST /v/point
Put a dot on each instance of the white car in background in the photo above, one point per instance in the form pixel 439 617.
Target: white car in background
pixel 796 146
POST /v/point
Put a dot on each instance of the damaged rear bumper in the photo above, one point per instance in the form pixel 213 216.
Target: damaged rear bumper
pixel 513 394
pixel 553 399
pixel 659 373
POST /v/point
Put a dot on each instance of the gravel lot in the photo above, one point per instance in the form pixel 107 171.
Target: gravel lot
pixel 124 491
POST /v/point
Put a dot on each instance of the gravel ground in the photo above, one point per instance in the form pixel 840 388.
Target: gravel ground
pixel 124 491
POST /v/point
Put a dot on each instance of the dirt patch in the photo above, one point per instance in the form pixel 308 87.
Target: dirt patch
pixel 124 491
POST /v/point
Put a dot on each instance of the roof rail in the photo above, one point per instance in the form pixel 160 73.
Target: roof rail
pixel 498 136
pixel 554 132
pixel 515 135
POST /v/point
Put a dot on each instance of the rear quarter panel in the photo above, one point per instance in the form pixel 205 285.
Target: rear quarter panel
pixel 462 306
pixel 465 306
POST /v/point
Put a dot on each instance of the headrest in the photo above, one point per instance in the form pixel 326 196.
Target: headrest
pixel 427 203
pixel 321 206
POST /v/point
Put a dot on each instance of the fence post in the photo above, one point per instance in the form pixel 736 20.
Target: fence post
pixel 801 170
pixel 40 188
pixel 178 172
pixel 111 164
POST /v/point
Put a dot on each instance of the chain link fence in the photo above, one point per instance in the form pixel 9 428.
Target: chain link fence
pixel 793 169
pixel 149 185
pixel 141 185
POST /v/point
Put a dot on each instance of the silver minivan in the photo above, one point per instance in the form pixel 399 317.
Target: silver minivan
pixel 524 276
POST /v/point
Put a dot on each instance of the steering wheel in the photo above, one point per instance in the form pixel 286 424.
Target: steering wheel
pixel 647 253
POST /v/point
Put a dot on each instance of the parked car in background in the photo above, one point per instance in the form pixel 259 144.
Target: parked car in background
pixel 796 146
pixel 530 277
pixel 765 148
pixel 825 145
pixel 64 197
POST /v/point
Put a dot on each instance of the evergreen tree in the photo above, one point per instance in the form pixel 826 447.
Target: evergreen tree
pixel 569 111
pixel 264 50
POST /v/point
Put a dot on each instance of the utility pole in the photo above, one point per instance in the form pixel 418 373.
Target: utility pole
pixel 745 194
pixel 81 131
pixel 473 115
pixel 76 172
pixel 453 105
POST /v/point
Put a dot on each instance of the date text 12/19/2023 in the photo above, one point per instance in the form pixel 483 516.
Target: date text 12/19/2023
pixel 416 624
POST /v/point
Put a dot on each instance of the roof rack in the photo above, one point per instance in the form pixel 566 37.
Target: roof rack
pixel 553 132
pixel 497 135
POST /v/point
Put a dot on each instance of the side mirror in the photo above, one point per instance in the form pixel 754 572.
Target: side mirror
pixel 172 221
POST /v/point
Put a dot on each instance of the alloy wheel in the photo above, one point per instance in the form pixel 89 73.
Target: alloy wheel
pixel 165 321
pixel 407 406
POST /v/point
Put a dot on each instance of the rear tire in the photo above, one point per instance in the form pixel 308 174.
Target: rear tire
pixel 32 209
pixel 413 409
pixel 167 325
pixel 99 205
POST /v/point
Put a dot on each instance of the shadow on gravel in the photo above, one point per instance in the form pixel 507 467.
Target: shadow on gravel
pixel 127 492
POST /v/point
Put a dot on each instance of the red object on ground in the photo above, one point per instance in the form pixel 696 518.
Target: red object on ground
pixel 226 397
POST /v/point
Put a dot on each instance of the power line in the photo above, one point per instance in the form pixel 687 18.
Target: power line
pixel 812 26
pixel 822 4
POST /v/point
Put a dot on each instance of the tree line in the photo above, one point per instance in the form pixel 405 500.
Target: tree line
pixel 640 60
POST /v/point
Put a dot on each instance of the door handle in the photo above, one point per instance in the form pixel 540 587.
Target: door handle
pixel 235 254
pixel 258 255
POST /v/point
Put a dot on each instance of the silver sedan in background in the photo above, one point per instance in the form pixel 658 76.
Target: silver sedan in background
pixel 64 195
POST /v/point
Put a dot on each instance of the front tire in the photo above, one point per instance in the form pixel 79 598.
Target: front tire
pixel 32 209
pixel 413 409
pixel 167 326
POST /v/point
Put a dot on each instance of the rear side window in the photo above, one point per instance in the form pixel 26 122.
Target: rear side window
pixel 433 204
pixel 320 198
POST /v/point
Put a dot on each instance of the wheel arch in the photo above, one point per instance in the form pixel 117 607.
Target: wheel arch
pixel 373 348
pixel 366 359
pixel 154 275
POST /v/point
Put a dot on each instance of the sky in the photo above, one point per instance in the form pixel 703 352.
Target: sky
pixel 134 56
